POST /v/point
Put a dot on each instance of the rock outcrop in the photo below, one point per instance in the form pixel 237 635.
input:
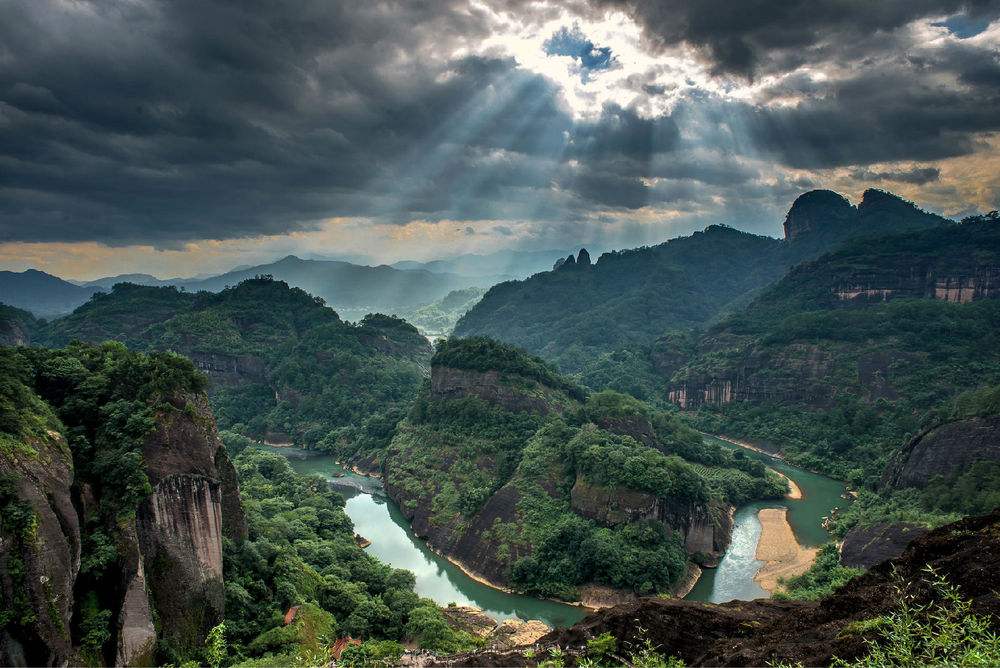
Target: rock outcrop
pixel 39 566
pixel 863 547
pixel 820 213
pixel 490 386
pixel 170 556
pixel 827 217
pixel 705 529
pixel 766 632
pixel 944 450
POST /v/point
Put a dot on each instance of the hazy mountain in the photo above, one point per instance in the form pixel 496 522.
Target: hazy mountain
pixel 351 289
pixel 107 282
pixel 510 264
pixel 40 293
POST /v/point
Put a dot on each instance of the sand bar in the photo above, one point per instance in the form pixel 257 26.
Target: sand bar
pixel 782 555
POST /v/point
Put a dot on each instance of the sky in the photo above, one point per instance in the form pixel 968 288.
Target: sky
pixel 177 137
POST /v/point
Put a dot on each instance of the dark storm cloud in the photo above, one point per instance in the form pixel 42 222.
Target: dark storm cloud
pixel 213 119
pixel 165 122
pixel 918 175
pixel 747 37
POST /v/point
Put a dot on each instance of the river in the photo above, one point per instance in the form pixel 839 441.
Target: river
pixel 376 517
pixel 733 579
pixel 379 519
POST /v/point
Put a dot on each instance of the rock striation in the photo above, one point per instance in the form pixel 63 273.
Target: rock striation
pixel 170 554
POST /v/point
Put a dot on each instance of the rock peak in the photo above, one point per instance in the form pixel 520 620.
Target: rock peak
pixel 818 213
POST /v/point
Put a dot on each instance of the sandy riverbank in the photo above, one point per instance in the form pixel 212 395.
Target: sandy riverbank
pixel 782 555
pixel 794 491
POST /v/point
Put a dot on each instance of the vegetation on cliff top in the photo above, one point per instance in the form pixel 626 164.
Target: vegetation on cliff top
pixel 888 369
pixel 103 401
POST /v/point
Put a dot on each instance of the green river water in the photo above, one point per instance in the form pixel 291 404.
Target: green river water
pixel 376 517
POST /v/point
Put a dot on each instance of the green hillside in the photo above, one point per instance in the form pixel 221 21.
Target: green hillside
pixel 283 366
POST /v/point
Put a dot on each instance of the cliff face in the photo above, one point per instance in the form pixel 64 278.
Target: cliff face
pixel 523 395
pixel 944 450
pixel 169 556
pixel 39 566
pixel 705 529
pixel 765 632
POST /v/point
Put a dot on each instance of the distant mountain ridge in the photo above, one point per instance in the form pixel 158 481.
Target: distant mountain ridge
pixel 40 293
pixel 353 290
pixel 579 313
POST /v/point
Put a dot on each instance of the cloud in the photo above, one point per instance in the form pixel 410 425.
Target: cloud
pixel 917 175
pixel 752 37
pixel 574 43
pixel 165 123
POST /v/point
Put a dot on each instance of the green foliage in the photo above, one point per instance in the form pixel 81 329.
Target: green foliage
pixel 372 654
pixel 298 371
pixel 824 577
pixel 301 551
pixel 626 300
pixel 944 632
pixel 94 628
pixel 215 645
pixel 602 647
pixel 484 354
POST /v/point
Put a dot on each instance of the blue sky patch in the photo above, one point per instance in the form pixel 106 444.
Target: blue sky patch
pixel 573 43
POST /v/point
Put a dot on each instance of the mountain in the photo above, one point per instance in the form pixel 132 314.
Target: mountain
pixel 17 327
pixel 508 468
pixel 283 366
pixel 600 320
pixel 107 282
pixel 43 294
pixel 116 494
pixel 573 314
pixel 351 289
pixel 509 264
pixel 842 359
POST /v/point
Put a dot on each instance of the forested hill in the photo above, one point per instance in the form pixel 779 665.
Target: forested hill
pixel 860 353
pixel 283 366
pixel 578 312
pixel 628 297
pixel 510 468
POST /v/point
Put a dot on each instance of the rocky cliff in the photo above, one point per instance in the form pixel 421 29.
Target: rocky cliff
pixel 765 632
pixel 513 394
pixel 811 336
pixel 944 450
pixel 168 556
pixel 706 529
pixel 39 552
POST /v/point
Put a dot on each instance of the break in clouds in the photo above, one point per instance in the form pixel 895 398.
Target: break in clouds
pixel 151 122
